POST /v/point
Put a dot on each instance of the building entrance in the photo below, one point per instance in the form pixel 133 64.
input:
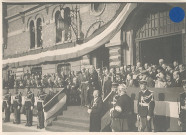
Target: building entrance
pixel 100 57
pixel 167 48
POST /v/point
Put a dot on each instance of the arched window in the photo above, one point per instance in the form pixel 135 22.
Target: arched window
pixel 39 32
pixel 59 26
pixel 97 8
pixel 67 23
pixel 32 35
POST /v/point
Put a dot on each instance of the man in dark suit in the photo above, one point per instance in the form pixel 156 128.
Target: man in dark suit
pixel 29 105
pixel 93 78
pixel 95 111
pixel 17 103
pixel 7 104
pixel 146 106
pixel 182 114
pixel 176 79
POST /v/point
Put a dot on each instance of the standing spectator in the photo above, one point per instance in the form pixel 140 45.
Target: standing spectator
pixel 129 81
pixel 182 72
pixel 151 73
pixel 148 78
pixel 107 87
pixel 95 111
pixel 164 67
pixel 93 78
pixel 138 65
pixel 169 82
pixel 176 67
pixel 146 66
pixel 84 87
pixel 161 61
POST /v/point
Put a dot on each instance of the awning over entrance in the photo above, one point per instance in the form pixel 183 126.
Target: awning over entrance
pixel 79 50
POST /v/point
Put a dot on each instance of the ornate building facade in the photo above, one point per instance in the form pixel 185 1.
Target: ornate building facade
pixel 50 37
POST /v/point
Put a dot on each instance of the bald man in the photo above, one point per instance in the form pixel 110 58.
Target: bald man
pixel 95 111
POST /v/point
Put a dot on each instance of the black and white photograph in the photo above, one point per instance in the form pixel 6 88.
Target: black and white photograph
pixel 82 66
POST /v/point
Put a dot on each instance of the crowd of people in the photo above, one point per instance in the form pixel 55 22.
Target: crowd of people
pixel 83 82
pixel 90 86
pixel 158 76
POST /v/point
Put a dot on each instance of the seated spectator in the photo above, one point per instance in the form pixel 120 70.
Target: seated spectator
pixel 160 82
pixel 176 79
pixel 169 81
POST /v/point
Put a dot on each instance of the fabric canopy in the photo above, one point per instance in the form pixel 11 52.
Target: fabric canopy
pixel 79 50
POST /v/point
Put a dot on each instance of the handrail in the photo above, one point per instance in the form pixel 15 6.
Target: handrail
pixel 107 96
pixel 52 98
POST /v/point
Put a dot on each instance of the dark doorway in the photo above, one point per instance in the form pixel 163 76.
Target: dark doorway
pixel 100 57
pixel 167 48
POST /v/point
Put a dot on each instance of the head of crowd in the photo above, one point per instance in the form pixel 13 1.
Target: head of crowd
pixel 162 75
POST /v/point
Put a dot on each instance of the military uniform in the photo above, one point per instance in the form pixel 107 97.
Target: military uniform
pixel 146 106
pixel 41 96
pixel 17 104
pixel 29 105
pixel 95 115
pixel 182 115
pixel 6 106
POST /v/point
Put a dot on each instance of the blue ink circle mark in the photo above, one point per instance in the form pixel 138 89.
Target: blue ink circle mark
pixel 176 14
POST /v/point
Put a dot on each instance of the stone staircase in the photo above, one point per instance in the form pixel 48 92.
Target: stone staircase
pixel 74 119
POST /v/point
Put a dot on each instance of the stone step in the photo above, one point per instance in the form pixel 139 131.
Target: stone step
pixel 61 128
pixel 76 119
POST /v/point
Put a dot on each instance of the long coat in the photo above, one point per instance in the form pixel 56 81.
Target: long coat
pixel 95 115
pixel 120 120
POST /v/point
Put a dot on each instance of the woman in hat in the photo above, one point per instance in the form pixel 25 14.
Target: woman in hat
pixel 121 110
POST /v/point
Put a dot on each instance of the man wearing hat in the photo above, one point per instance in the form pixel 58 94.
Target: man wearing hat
pixel 17 103
pixel 7 104
pixel 145 106
pixel 41 96
pixel 121 110
pixel 29 105
pixel 182 114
